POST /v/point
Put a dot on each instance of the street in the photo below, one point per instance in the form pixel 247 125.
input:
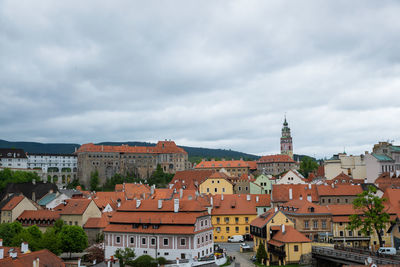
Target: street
pixel 233 250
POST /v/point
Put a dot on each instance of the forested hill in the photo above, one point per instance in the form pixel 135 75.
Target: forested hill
pixel 195 153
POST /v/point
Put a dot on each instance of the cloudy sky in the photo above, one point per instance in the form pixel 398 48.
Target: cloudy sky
pixel 217 74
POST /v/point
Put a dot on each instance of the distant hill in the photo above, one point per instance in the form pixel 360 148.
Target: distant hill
pixel 195 153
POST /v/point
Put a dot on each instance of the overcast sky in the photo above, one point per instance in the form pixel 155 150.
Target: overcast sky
pixel 217 74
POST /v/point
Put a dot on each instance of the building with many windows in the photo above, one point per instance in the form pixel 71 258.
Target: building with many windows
pixel 234 168
pixel 13 158
pixel 275 164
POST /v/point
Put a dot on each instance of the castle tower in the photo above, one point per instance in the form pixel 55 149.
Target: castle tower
pixel 286 140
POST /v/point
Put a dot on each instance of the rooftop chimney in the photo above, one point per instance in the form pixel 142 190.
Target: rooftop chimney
pixel 290 193
pixel 24 247
pixel 211 201
pixel 1 242
pixel 160 203
pixel 309 198
pixel 180 193
pixel 248 197
pixel 309 186
pixel 36 262
pixel 1 253
pixel 257 198
pixel 12 253
pixel 176 204
pixel 222 196
pixel 276 209
pixel 137 203
pixel 283 228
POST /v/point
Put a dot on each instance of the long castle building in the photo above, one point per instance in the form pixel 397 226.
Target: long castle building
pixel 137 160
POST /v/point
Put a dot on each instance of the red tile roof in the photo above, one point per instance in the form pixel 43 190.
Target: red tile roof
pixel 102 199
pixel 39 215
pixel 156 217
pixel 302 207
pixel 385 180
pixel 290 235
pixel 73 206
pixel 139 191
pixel 167 205
pixel 99 223
pixel 222 164
pixel 263 219
pixel 339 190
pixel 162 229
pixel 280 192
pixel 13 202
pixel 276 158
pixel 238 204
pixel 190 179
pixel 162 147
pixel 252 165
pixel 46 258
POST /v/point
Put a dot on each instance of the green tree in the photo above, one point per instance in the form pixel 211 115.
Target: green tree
pixel 144 261
pixel 51 241
pixel 31 235
pixel 261 253
pixel 94 180
pixel 8 231
pixel 159 177
pixel 58 225
pixel 125 256
pixel 371 214
pixel 307 165
pixel 73 239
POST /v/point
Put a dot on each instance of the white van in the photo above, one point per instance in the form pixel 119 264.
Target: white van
pixel 386 251
pixel 236 238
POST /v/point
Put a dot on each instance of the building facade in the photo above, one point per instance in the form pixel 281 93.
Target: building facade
pixel 234 168
pixel 13 158
pixel 217 183
pixel 354 166
pixel 275 164
pixel 139 161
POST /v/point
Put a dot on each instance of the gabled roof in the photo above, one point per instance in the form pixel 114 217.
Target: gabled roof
pixel 46 258
pixel 10 203
pixel 74 206
pixel 190 179
pixel 290 235
pixel 239 204
pixel 263 219
pixel 40 188
pixel 222 164
pixel 339 190
pixel 388 180
pixel 134 190
pixel 150 205
pixel 297 206
pixel 276 158
pixel 99 223
pixel 102 199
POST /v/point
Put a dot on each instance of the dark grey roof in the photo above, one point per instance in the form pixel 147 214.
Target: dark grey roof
pixel 12 153
pixel 70 192
pixel 27 189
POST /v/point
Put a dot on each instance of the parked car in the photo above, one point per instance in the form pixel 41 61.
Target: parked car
pixel 244 246
pixel 386 251
pixel 236 238
pixel 253 258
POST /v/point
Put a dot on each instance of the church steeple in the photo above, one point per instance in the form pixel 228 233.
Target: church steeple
pixel 286 140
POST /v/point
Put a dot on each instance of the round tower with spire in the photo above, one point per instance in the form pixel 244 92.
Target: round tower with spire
pixel 286 140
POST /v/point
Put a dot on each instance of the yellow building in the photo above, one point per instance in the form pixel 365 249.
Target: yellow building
pixel 354 238
pixel 231 214
pixel 13 206
pixel 217 183
pixel 282 242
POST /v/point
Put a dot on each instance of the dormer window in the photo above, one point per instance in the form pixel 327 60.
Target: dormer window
pixel 155 226
pixel 311 209
pixel 145 226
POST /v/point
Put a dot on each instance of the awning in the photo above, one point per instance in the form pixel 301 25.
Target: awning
pixel 275 243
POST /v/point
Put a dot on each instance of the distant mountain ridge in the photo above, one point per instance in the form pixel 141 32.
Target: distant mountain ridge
pixel 195 153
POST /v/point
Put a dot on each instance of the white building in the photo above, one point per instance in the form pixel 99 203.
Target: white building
pixel 56 161
pixel 292 177
pixel 173 229
pixel 13 158
pixel 353 166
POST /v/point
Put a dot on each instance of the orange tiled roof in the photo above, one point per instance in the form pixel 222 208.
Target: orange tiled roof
pixel 162 229
pixel 74 206
pixel 46 258
pixel 290 235
pixel 303 207
pixel 385 181
pixel 39 215
pixel 150 205
pixel 238 204
pixel 139 191
pixel 252 165
pixel 99 223
pixel 101 199
pixel 13 202
pixel 339 190
pixel 222 164
pixel 190 179
pixel 263 219
pixel 276 158
pixel 162 147
pixel 156 217
pixel 280 192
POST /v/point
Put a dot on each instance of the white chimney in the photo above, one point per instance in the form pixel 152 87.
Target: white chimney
pixel 257 198
pixel 151 190
pixel 309 186
pixel 290 193
pixel 12 254
pixel 79 262
pixel 276 209
pixel 24 247
pixel 36 262
pixel 1 242
pixel 301 197
pixel 171 185
pixel 180 193
pixel 248 197
pixel 283 228
pixel 211 201
pixel 118 204
pixel 309 198
pixel 176 204
pixel 1 253
pixel 222 196
pixel 108 263
pixel 333 185
pixel 137 203
pixel 160 203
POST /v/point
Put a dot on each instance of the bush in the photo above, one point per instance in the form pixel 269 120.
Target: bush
pixel 144 261
pixel 162 260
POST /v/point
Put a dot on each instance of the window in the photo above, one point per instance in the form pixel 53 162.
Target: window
pixel 165 241
pixel 227 229
pixel 132 240
pixel 350 233
pixel 143 241
pixel 198 240
pixel 247 219
pixel 323 224
pixel 144 226
pixel 153 241
pixel 236 220
pixel 296 248
pixel 215 190
pixel 202 239
pixel 237 229
pixel 227 219
pixel 206 222
pixel 118 240
pixel 201 223
pixel 218 229
pixel 315 224
pixel 359 233
pixel 329 200
pixel 210 236
pixel 223 189
pixel 247 228
pixel 208 190
pixel 341 233
pixel 166 253
pixel 239 188
pixel 306 224
pixel 338 200
pixel 218 219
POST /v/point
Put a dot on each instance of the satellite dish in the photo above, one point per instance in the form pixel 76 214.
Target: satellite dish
pixel 369 260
